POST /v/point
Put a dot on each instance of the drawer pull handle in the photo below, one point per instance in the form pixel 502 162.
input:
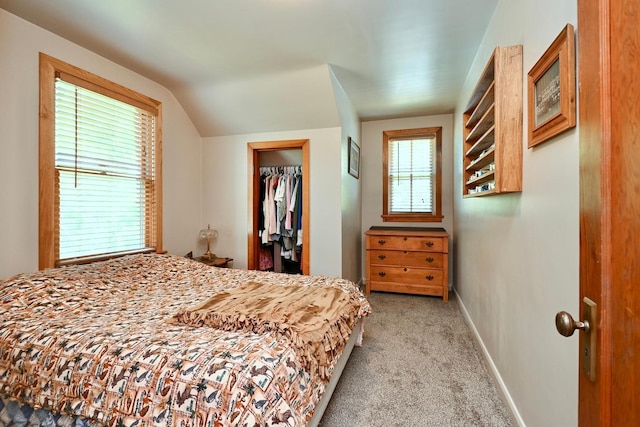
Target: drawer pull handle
pixel 382 256
pixel 382 242
pixel 405 239
pixel 429 277
pixel 429 259
pixel 382 274
pixel 429 243
pixel 405 269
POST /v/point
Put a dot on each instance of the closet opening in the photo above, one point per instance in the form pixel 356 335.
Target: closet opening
pixel 280 162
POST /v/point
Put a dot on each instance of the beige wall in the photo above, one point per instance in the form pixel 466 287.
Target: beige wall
pixel 371 176
pixel 517 255
pixel 334 199
pixel 351 190
pixel 20 43
pixel 225 206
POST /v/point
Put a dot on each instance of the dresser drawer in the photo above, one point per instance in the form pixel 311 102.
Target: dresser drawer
pixel 412 243
pixel 406 258
pixel 414 275
pixel 408 288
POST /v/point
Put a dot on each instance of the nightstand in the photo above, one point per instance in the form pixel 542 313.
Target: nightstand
pixel 215 262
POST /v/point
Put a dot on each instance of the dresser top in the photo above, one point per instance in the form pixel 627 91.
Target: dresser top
pixel 422 231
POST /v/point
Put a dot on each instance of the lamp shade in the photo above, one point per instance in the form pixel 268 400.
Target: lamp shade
pixel 208 233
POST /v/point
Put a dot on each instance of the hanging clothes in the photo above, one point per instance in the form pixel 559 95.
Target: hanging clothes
pixel 279 220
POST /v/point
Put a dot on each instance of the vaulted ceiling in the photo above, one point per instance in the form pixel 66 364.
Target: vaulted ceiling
pixel 241 66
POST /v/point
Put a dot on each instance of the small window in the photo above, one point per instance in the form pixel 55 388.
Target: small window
pixel 412 175
pixel 99 166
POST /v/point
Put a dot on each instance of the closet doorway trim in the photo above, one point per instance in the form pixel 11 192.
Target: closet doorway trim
pixel 253 153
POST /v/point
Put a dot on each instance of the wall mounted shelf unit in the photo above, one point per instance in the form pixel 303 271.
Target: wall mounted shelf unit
pixel 492 146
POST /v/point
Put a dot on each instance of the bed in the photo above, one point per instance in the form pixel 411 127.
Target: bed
pixel 134 341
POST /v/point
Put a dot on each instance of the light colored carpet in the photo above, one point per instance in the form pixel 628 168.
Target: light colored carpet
pixel 419 366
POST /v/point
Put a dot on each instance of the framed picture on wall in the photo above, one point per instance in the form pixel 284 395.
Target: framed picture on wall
pixel 552 90
pixel 354 158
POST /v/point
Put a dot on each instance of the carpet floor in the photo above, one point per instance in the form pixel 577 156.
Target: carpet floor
pixel 419 365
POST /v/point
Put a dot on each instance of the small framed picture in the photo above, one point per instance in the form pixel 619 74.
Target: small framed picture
pixel 354 158
pixel 552 90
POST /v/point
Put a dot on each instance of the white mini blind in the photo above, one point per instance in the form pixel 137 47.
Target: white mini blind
pixel 411 174
pixel 105 177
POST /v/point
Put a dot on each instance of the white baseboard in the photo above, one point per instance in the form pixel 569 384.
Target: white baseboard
pixel 515 415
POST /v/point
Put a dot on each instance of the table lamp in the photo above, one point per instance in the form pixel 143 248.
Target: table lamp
pixel 208 233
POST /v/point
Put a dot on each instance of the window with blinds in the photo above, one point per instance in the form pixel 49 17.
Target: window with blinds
pixel 104 148
pixel 412 175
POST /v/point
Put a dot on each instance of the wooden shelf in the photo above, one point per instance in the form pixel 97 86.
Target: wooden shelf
pixel 481 193
pixel 483 105
pixel 481 161
pixel 483 142
pixel 484 124
pixel 482 179
pixel 493 124
pixel 485 81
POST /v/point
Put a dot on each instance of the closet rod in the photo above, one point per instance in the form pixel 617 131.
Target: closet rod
pixel 280 169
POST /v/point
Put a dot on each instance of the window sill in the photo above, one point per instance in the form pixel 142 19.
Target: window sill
pixel 104 257
pixel 412 218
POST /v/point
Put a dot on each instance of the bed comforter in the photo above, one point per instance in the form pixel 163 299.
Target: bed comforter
pixel 97 342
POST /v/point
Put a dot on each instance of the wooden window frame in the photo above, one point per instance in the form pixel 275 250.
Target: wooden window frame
pixel 435 216
pixel 48 222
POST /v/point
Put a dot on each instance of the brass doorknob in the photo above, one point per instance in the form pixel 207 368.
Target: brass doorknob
pixel 565 324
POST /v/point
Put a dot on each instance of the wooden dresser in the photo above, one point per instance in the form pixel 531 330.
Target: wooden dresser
pixel 408 260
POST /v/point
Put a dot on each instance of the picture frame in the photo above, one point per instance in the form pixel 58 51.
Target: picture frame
pixel 354 158
pixel 552 90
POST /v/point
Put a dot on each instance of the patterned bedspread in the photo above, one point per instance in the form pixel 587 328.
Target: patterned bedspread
pixel 95 342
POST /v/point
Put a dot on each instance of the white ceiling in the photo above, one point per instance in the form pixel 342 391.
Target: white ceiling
pixel 267 60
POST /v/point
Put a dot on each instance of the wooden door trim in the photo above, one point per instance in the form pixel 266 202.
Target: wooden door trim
pixel 593 219
pixel 253 157
pixel 609 229
pixel 623 306
pixel 594 133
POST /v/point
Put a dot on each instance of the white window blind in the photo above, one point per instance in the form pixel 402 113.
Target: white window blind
pixel 105 178
pixel 411 174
